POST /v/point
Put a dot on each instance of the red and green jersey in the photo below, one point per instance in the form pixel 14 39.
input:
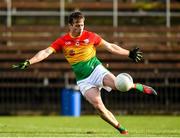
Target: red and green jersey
pixel 80 52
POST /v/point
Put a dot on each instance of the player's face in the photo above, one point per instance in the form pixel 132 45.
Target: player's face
pixel 77 27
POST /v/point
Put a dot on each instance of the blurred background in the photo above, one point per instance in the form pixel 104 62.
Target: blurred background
pixel 27 26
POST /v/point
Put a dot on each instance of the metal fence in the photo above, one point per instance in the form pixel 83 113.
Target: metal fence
pixel 41 100
pixel 106 8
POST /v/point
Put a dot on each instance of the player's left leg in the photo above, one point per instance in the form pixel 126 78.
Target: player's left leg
pixel 93 96
pixel 109 80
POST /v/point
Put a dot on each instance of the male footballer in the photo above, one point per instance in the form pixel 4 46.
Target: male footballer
pixel 79 48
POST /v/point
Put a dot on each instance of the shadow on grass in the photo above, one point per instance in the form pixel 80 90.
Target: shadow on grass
pixel 55 133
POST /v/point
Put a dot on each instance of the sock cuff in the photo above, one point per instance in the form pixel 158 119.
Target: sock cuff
pixel 139 87
pixel 119 127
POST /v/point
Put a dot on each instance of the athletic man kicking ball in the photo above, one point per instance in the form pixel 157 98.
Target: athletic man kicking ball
pixel 79 48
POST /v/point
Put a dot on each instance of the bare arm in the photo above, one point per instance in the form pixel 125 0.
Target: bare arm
pixel 133 54
pixel 41 55
pixel 37 58
pixel 115 49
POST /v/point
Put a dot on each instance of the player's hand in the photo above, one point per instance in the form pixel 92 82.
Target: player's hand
pixel 22 65
pixel 135 55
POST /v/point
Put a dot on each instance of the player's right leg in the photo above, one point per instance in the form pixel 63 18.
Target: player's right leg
pixel 93 96
pixel 109 80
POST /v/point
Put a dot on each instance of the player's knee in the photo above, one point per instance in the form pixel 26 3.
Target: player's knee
pixel 100 108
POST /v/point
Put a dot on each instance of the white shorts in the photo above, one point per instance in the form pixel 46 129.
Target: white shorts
pixel 95 79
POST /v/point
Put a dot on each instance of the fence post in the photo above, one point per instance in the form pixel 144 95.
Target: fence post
pixel 62 13
pixel 9 14
pixel 115 13
pixel 168 14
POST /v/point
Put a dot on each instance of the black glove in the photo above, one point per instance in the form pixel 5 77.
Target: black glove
pixel 22 65
pixel 135 55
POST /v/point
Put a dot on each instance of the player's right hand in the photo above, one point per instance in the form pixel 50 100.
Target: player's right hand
pixel 22 65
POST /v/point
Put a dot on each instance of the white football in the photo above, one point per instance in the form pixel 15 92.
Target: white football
pixel 124 82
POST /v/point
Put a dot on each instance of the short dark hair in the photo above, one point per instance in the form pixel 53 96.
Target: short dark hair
pixel 75 15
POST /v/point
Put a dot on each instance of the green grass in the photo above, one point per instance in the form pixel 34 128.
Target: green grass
pixel 87 126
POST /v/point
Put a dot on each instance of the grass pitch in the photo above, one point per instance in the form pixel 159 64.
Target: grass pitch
pixel 88 126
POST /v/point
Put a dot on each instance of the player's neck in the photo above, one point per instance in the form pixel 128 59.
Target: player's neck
pixel 73 35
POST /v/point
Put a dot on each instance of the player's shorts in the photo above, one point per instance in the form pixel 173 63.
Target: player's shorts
pixel 95 79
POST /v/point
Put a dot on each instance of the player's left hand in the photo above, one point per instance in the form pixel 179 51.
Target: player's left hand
pixel 136 55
